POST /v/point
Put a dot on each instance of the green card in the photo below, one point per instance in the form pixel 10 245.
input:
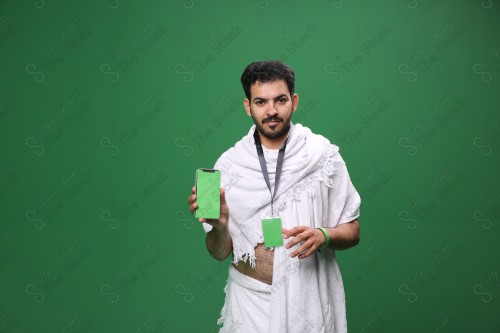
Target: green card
pixel 271 228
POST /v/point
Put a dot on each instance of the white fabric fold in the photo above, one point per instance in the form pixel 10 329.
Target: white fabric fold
pixel 247 305
pixel 315 190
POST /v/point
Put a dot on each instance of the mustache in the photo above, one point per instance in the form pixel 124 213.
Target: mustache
pixel 274 118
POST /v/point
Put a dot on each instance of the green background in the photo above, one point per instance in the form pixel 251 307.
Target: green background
pixel 108 107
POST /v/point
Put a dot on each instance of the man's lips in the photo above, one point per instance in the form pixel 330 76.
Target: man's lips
pixel 272 122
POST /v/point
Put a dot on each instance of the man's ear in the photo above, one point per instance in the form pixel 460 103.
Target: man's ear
pixel 295 102
pixel 246 104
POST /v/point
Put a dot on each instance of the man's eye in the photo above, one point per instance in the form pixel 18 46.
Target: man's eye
pixel 282 100
pixel 259 102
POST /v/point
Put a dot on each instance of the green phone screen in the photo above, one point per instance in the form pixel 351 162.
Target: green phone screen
pixel 208 193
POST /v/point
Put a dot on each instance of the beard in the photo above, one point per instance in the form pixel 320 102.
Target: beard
pixel 271 134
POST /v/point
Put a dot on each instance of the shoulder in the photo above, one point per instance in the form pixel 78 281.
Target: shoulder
pixel 224 161
pixel 234 154
pixel 320 141
pixel 310 135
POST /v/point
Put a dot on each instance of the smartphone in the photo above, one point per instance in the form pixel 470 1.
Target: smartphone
pixel 207 193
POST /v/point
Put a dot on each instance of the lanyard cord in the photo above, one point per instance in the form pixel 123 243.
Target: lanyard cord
pixel 262 161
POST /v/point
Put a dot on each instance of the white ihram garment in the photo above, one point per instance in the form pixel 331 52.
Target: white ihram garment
pixel 307 295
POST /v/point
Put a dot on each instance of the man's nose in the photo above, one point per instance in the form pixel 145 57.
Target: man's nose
pixel 271 110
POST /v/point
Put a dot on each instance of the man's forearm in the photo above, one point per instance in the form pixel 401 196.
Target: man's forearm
pixel 344 236
pixel 219 243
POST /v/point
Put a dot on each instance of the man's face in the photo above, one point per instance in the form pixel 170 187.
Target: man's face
pixel 271 108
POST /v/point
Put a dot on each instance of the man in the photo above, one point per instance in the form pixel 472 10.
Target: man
pixel 296 287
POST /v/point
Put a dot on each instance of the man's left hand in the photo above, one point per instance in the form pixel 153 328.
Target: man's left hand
pixel 311 239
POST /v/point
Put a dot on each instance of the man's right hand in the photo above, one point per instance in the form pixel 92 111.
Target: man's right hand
pixel 221 222
pixel 219 241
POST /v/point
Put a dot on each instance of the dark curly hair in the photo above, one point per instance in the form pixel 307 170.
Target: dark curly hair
pixel 267 71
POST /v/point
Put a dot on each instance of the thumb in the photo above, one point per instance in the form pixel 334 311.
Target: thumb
pixel 222 195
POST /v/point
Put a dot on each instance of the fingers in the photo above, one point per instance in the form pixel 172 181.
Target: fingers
pixel 305 250
pixel 311 250
pixel 192 201
pixel 299 236
pixel 192 197
pixel 285 232
pixel 302 234
pixel 294 231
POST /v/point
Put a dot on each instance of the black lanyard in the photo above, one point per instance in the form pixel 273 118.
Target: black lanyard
pixel 279 165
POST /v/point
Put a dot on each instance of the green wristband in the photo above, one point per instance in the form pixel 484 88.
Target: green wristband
pixel 327 237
